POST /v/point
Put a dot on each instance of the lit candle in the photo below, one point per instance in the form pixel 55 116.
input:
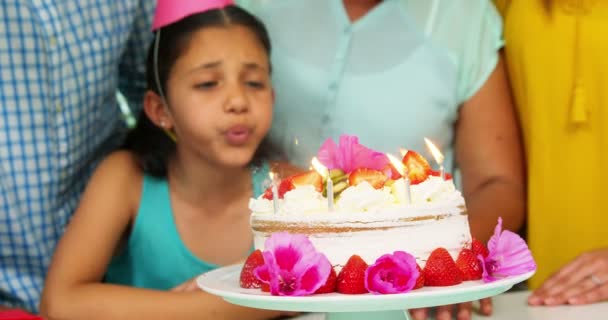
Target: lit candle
pixel 275 192
pixel 329 187
pixel 437 155
pixel 402 169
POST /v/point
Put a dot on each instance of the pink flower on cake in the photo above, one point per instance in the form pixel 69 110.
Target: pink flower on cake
pixel 292 266
pixel 508 255
pixel 350 155
pixel 392 273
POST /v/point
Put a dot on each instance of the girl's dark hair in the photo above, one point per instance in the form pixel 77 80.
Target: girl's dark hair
pixel 152 145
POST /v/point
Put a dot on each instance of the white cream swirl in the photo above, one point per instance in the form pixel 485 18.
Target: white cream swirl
pixel 303 200
pixel 434 189
pixel 363 197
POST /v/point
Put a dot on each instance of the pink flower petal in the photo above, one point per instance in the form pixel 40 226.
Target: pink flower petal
pixel 349 155
pixel 328 154
pixel 508 255
pixel 293 266
pixel 262 274
pixel 287 257
pixel 396 273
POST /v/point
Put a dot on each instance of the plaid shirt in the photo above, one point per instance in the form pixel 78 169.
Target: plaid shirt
pixel 61 62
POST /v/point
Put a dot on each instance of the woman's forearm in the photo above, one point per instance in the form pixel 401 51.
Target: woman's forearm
pixel 498 197
pixel 112 302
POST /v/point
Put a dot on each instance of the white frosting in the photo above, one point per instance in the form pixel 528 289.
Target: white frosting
pixel 427 197
pixel 363 197
pixel 303 200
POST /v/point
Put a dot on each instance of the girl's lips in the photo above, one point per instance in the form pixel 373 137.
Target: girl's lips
pixel 238 135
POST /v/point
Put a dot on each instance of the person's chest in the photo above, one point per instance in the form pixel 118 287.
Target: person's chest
pixel 380 78
pixel 220 237
pixel 556 57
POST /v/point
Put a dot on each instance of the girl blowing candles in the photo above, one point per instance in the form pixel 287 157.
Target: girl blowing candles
pixel 174 204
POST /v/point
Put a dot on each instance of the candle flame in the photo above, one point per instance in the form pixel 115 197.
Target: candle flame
pixel 319 167
pixel 436 153
pixel 403 152
pixel 396 163
pixel 271 175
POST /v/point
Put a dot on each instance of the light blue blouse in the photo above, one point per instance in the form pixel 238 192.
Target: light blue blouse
pixel 398 74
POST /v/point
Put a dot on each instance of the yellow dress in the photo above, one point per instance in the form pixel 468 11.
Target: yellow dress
pixel 557 57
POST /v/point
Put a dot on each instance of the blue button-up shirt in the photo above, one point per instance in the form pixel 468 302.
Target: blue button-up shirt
pixel 61 63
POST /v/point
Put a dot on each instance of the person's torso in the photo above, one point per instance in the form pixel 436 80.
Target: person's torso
pixel 557 64
pixel 59 66
pixel 154 255
pixel 390 78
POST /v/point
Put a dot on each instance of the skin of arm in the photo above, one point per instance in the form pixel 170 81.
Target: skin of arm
pixel 489 153
pixel 73 288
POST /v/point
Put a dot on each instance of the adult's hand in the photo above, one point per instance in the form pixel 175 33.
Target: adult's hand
pixel 462 311
pixel 584 280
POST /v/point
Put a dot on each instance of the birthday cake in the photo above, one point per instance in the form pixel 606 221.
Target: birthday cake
pixel 361 208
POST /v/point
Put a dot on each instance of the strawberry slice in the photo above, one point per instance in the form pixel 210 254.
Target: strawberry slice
pixel 330 283
pixel 248 279
pixel 351 279
pixel 441 270
pixel 285 185
pixel 437 173
pixel 374 177
pixel 392 172
pixel 479 249
pixel 417 166
pixel 469 265
pixel 420 280
pixel 308 178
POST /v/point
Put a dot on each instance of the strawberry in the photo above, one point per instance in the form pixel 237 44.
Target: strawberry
pixel 374 177
pixel 351 279
pixel 417 166
pixel 420 280
pixel 265 287
pixel 285 185
pixel 330 283
pixel 437 173
pixel 248 279
pixel 308 178
pixel 394 174
pixel 469 265
pixel 268 194
pixel 441 270
pixel 479 249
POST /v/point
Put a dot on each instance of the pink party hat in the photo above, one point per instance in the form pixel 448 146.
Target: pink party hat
pixel 170 11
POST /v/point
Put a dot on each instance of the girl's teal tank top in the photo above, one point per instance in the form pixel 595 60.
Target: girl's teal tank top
pixel 155 256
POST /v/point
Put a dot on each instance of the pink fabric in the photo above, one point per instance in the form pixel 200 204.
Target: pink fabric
pixel 170 11
pixel 17 315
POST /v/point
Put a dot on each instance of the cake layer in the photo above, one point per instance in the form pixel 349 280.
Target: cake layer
pixel 346 235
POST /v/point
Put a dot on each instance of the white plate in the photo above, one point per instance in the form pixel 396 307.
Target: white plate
pixel 224 282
